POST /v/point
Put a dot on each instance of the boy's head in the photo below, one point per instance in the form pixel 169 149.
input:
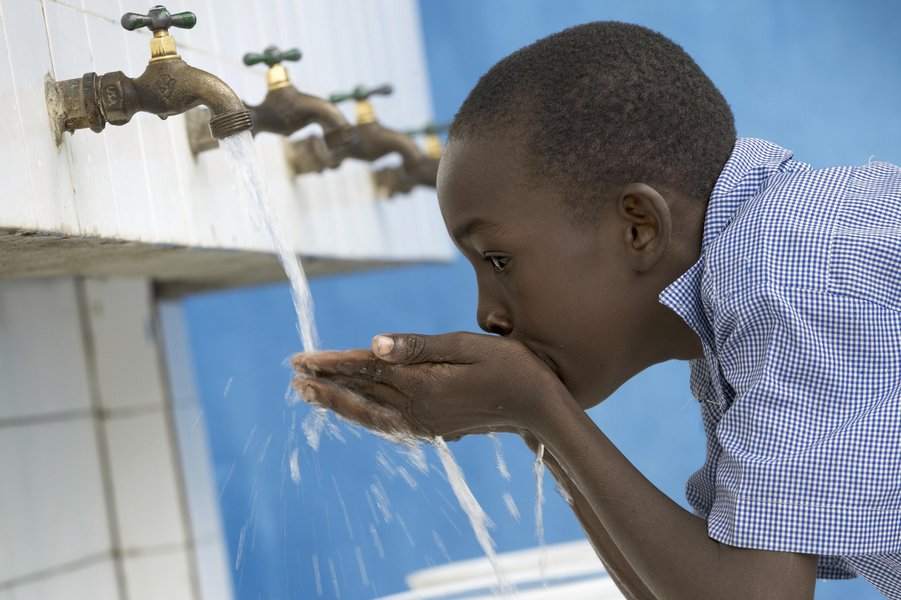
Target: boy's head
pixel 604 104
pixel 574 180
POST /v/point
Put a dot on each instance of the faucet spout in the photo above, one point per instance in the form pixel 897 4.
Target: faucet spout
pixel 171 87
pixel 377 141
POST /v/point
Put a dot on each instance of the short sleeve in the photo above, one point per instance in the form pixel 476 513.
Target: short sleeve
pixel 810 445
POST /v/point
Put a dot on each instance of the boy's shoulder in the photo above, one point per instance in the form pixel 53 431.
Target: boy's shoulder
pixel 817 229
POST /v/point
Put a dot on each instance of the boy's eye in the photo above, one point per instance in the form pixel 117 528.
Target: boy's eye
pixel 498 262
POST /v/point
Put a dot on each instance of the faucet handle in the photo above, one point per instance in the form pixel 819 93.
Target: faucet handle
pixel 432 140
pixel 158 18
pixel 271 56
pixel 360 93
pixel 428 129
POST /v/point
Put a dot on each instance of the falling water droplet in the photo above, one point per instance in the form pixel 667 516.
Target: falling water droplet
pixel 331 568
pixel 295 468
pixel 376 540
pixel 381 499
pixel 316 575
pixel 362 566
pixel 240 554
pixel 499 456
pixel 538 470
pixel 510 503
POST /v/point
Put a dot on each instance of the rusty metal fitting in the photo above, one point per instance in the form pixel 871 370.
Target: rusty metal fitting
pixel 230 123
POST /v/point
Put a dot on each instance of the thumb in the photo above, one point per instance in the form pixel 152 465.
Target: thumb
pixel 410 348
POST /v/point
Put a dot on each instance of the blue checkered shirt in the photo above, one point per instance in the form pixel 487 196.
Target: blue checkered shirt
pixel 797 301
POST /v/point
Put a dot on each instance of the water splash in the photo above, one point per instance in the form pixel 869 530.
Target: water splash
pixel 416 457
pixel 317 576
pixel 499 456
pixel 477 517
pixel 376 540
pixel 440 544
pixel 313 425
pixel 510 503
pixel 245 165
pixel 363 575
pixel 294 466
pixel 538 469
pixel 381 499
pixel 240 554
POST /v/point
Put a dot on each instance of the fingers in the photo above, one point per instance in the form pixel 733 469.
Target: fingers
pixel 315 362
pixel 357 363
pixel 352 406
pixel 409 348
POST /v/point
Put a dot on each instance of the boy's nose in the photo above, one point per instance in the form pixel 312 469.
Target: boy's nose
pixel 495 321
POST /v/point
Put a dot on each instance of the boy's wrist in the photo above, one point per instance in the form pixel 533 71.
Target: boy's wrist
pixel 552 407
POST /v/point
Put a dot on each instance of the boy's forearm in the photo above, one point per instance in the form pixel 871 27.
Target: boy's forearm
pixel 619 569
pixel 667 547
pixel 616 564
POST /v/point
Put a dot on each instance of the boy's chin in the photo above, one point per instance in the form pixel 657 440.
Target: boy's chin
pixel 588 395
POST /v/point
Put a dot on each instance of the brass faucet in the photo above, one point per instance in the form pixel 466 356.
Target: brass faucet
pixel 168 86
pixel 395 180
pixel 285 108
pixel 311 155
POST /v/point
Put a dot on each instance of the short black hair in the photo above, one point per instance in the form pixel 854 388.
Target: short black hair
pixel 604 104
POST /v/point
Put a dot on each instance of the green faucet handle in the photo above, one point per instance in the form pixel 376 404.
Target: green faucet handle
pixel 158 18
pixel 360 93
pixel 271 56
pixel 429 129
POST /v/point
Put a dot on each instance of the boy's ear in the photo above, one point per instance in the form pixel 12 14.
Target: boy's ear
pixel 648 224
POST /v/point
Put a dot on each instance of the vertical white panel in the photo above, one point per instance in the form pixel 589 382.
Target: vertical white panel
pixel 88 153
pixel 48 168
pixel 120 316
pixel 96 581
pixel 110 10
pixel 213 570
pixel 164 576
pixel 52 509
pixel 146 485
pixel 42 361
pixel 14 207
pixel 203 506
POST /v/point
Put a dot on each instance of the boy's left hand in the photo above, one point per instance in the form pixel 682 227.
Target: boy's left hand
pixel 448 385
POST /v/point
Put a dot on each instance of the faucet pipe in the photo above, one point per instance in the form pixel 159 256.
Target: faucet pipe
pixel 375 140
pixel 168 86
pixel 284 110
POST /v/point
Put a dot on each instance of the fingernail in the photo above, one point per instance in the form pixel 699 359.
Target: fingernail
pixel 383 345
pixel 309 395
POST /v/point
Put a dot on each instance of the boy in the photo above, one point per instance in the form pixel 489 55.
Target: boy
pixel 594 181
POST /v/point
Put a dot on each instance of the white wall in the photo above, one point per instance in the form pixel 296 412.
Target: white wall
pixel 105 482
pixel 105 486
pixel 140 183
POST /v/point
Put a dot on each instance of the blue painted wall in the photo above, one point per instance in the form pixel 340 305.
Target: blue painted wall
pixel 818 77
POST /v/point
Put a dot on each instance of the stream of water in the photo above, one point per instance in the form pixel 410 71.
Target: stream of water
pixel 538 469
pixel 245 165
pixel 477 517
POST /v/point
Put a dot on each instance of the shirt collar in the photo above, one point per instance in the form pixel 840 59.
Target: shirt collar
pixel 752 162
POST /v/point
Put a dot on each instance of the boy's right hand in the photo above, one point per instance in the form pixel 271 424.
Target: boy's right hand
pixel 449 385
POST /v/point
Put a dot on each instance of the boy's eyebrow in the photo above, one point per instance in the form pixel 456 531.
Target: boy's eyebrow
pixel 471 226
